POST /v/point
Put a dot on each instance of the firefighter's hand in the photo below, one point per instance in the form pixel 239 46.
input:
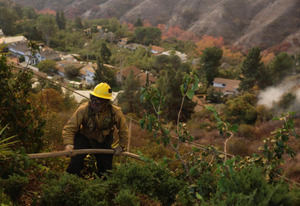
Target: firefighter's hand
pixel 69 147
pixel 118 150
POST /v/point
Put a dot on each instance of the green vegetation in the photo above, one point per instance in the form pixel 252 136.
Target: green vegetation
pixel 209 62
pixel 147 35
pixel 32 119
pixel 104 74
pixel 130 98
pixel 47 66
pixel 18 110
pixel 251 68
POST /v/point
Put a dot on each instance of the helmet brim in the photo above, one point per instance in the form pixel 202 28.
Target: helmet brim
pixel 101 96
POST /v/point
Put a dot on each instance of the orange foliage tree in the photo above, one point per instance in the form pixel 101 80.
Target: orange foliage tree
pixel 231 56
pixel 52 99
pixel 209 41
pixel 177 32
pixel 147 23
pixel 267 57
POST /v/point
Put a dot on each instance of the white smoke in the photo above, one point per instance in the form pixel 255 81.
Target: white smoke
pixel 272 95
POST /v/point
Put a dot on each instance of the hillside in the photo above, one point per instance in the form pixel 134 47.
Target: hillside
pixel 242 23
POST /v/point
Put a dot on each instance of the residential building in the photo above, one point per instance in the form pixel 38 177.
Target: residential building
pixel 20 48
pixel 133 46
pixel 12 39
pixel 50 54
pixel 156 50
pixel 87 73
pixel 226 86
pixel 182 56
pixel 122 42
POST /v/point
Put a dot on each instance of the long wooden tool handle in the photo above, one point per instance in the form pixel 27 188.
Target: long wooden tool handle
pixel 80 151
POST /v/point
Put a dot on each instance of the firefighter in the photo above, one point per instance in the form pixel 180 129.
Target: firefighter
pixel 92 126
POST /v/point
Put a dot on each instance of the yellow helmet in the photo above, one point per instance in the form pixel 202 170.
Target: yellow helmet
pixel 102 90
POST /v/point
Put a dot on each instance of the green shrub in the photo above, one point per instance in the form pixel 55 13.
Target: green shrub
pixel 70 190
pixel 248 186
pixel 238 146
pixel 126 198
pixel 14 185
pixel 4 199
pixel 14 164
pixel 155 181
pixel 246 130
pixel 185 197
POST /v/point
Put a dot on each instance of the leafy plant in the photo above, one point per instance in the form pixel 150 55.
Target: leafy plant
pixel 5 143
pixel 276 145
pixel 17 108
pixel 14 185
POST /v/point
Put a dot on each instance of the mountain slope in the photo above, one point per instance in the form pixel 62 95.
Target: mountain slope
pixel 243 23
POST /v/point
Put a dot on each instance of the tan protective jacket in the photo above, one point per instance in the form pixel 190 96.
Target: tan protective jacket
pixel 96 128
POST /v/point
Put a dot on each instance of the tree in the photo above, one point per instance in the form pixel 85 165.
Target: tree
pixel 31 31
pixel 17 108
pixel 60 20
pixel 169 83
pixel 213 95
pixel 241 109
pixel 165 62
pixel 210 60
pixel 29 13
pixel 47 66
pixel 7 21
pixel 138 22
pixel 251 68
pixel 105 53
pixel 286 100
pixel 72 72
pixel 129 99
pixel 47 26
pixel 147 35
pixel 78 23
pixel 281 66
pixel 104 74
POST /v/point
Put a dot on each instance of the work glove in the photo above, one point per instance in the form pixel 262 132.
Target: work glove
pixel 118 150
pixel 69 147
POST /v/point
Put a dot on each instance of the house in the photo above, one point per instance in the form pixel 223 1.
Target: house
pixel 134 46
pixel 69 57
pixel 122 42
pixel 76 85
pixel 50 54
pixel 156 50
pixel 226 86
pixel 20 48
pixel 87 73
pixel 12 39
pixel 108 36
pixel 182 56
